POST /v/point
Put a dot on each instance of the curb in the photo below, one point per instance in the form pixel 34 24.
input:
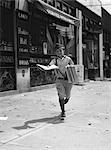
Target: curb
pixel 14 92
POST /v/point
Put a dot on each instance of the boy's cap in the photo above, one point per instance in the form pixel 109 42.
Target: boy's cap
pixel 59 46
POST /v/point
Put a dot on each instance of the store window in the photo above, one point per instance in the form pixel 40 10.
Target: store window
pixel 92 54
pixel 37 36
pixel 39 52
pixel 62 34
pixel 7 54
pixel 91 57
pixel 44 32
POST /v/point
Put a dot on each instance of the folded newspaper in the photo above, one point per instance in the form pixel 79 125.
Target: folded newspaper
pixel 48 67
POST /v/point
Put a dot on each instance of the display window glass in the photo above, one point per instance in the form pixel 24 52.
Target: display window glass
pixel 63 34
pixel 7 54
pixel 39 52
pixel 37 35
pixel 91 54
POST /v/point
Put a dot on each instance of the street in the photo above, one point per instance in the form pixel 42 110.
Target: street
pixel 30 121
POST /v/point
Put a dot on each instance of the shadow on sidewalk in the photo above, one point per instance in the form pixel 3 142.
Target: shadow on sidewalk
pixel 51 120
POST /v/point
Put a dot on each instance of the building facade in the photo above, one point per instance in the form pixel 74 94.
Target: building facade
pixel 30 37
pixel 35 27
pixel 90 52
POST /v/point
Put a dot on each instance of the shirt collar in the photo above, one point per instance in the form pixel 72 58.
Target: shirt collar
pixel 64 56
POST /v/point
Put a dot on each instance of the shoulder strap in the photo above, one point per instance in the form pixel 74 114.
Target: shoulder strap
pixel 56 62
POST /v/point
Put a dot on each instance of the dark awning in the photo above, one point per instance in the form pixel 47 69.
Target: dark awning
pixel 39 6
pixel 46 8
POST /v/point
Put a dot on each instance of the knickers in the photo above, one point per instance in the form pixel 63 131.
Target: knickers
pixel 63 88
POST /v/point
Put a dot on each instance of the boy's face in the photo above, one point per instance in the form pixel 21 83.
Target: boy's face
pixel 60 52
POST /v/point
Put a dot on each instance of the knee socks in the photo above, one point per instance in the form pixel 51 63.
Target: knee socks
pixel 61 102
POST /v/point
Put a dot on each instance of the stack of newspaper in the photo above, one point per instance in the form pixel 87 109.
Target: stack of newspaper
pixel 71 74
pixel 43 67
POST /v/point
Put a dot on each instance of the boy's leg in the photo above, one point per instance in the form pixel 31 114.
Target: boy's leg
pixel 61 102
pixel 68 88
pixel 61 94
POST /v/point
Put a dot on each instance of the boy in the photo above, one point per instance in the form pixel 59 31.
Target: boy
pixel 62 85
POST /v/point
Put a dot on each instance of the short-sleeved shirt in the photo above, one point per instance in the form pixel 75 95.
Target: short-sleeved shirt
pixel 61 63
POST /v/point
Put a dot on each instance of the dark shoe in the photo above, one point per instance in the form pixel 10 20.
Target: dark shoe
pixel 61 118
pixel 66 100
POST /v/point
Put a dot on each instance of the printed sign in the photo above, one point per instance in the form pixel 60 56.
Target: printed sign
pixel 22 39
pixel 6 59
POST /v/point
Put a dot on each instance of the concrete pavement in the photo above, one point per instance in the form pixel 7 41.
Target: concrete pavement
pixel 33 122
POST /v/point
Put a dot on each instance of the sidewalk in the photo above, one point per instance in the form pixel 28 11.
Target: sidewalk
pixel 27 112
pixel 18 109
pixel 23 109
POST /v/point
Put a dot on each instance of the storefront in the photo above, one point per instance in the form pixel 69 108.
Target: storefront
pixel 91 30
pixel 106 17
pixel 29 38
pixel 7 54
pixel 90 36
pixel 39 27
